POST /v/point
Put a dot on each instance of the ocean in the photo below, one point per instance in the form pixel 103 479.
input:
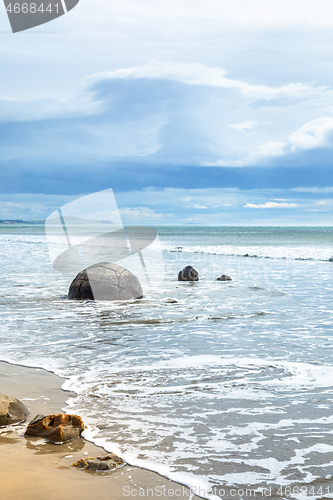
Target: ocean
pixel 226 387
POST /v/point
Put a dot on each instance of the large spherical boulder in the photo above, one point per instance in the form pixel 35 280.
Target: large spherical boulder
pixel 188 274
pixel 105 281
pixel 12 410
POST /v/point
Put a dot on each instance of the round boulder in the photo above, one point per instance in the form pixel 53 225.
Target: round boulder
pixel 224 277
pixel 105 281
pixel 188 274
pixel 12 410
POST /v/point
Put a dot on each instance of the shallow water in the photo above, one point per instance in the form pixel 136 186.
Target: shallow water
pixel 230 386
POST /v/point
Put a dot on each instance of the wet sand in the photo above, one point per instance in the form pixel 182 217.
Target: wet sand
pixel 32 468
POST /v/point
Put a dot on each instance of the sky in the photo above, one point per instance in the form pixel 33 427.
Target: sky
pixel 214 113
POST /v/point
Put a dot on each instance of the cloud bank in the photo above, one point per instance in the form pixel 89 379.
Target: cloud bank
pixel 182 95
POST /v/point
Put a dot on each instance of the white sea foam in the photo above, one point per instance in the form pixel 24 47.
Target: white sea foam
pixel 230 378
pixel 195 483
pixel 290 374
pixel 254 433
pixel 268 252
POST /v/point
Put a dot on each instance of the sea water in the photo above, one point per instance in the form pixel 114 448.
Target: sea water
pixel 227 387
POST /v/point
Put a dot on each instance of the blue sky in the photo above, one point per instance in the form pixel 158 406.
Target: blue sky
pixel 193 112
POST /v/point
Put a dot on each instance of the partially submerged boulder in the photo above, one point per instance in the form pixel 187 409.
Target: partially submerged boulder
pixel 109 461
pixel 224 277
pixel 12 410
pixel 56 428
pixel 188 274
pixel 105 281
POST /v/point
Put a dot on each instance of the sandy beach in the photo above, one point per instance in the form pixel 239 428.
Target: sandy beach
pixel 32 468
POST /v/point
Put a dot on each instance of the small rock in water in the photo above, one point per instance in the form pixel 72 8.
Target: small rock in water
pixel 12 410
pixel 56 428
pixel 224 277
pixel 103 462
pixel 188 274
pixel 105 281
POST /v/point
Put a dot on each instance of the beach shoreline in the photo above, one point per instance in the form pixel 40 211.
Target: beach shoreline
pixel 33 469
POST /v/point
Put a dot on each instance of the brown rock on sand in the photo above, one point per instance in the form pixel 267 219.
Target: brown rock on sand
pixel 12 410
pixel 101 463
pixel 56 428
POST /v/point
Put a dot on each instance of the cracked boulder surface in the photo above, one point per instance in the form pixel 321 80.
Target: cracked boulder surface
pixel 188 274
pixel 105 281
pixel 12 410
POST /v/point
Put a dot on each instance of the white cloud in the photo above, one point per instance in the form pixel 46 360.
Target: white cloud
pixel 325 203
pixel 312 135
pixel 200 124
pixel 201 75
pixel 271 204
pixel 141 213
pixel 173 206
pixel 29 206
pixel 211 121
pixel 248 125
pixel 82 104
pixel 257 13
pixel 315 134
pixel 314 190
pixel 272 149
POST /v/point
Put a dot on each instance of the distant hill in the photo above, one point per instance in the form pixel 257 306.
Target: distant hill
pixel 19 221
pixel 11 221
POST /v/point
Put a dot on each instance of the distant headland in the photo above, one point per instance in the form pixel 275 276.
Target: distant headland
pixel 19 221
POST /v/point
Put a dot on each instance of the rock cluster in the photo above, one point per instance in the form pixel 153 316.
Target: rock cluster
pixel 105 281
pixel 56 428
pixel 12 410
pixel 191 274
pixel 108 281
